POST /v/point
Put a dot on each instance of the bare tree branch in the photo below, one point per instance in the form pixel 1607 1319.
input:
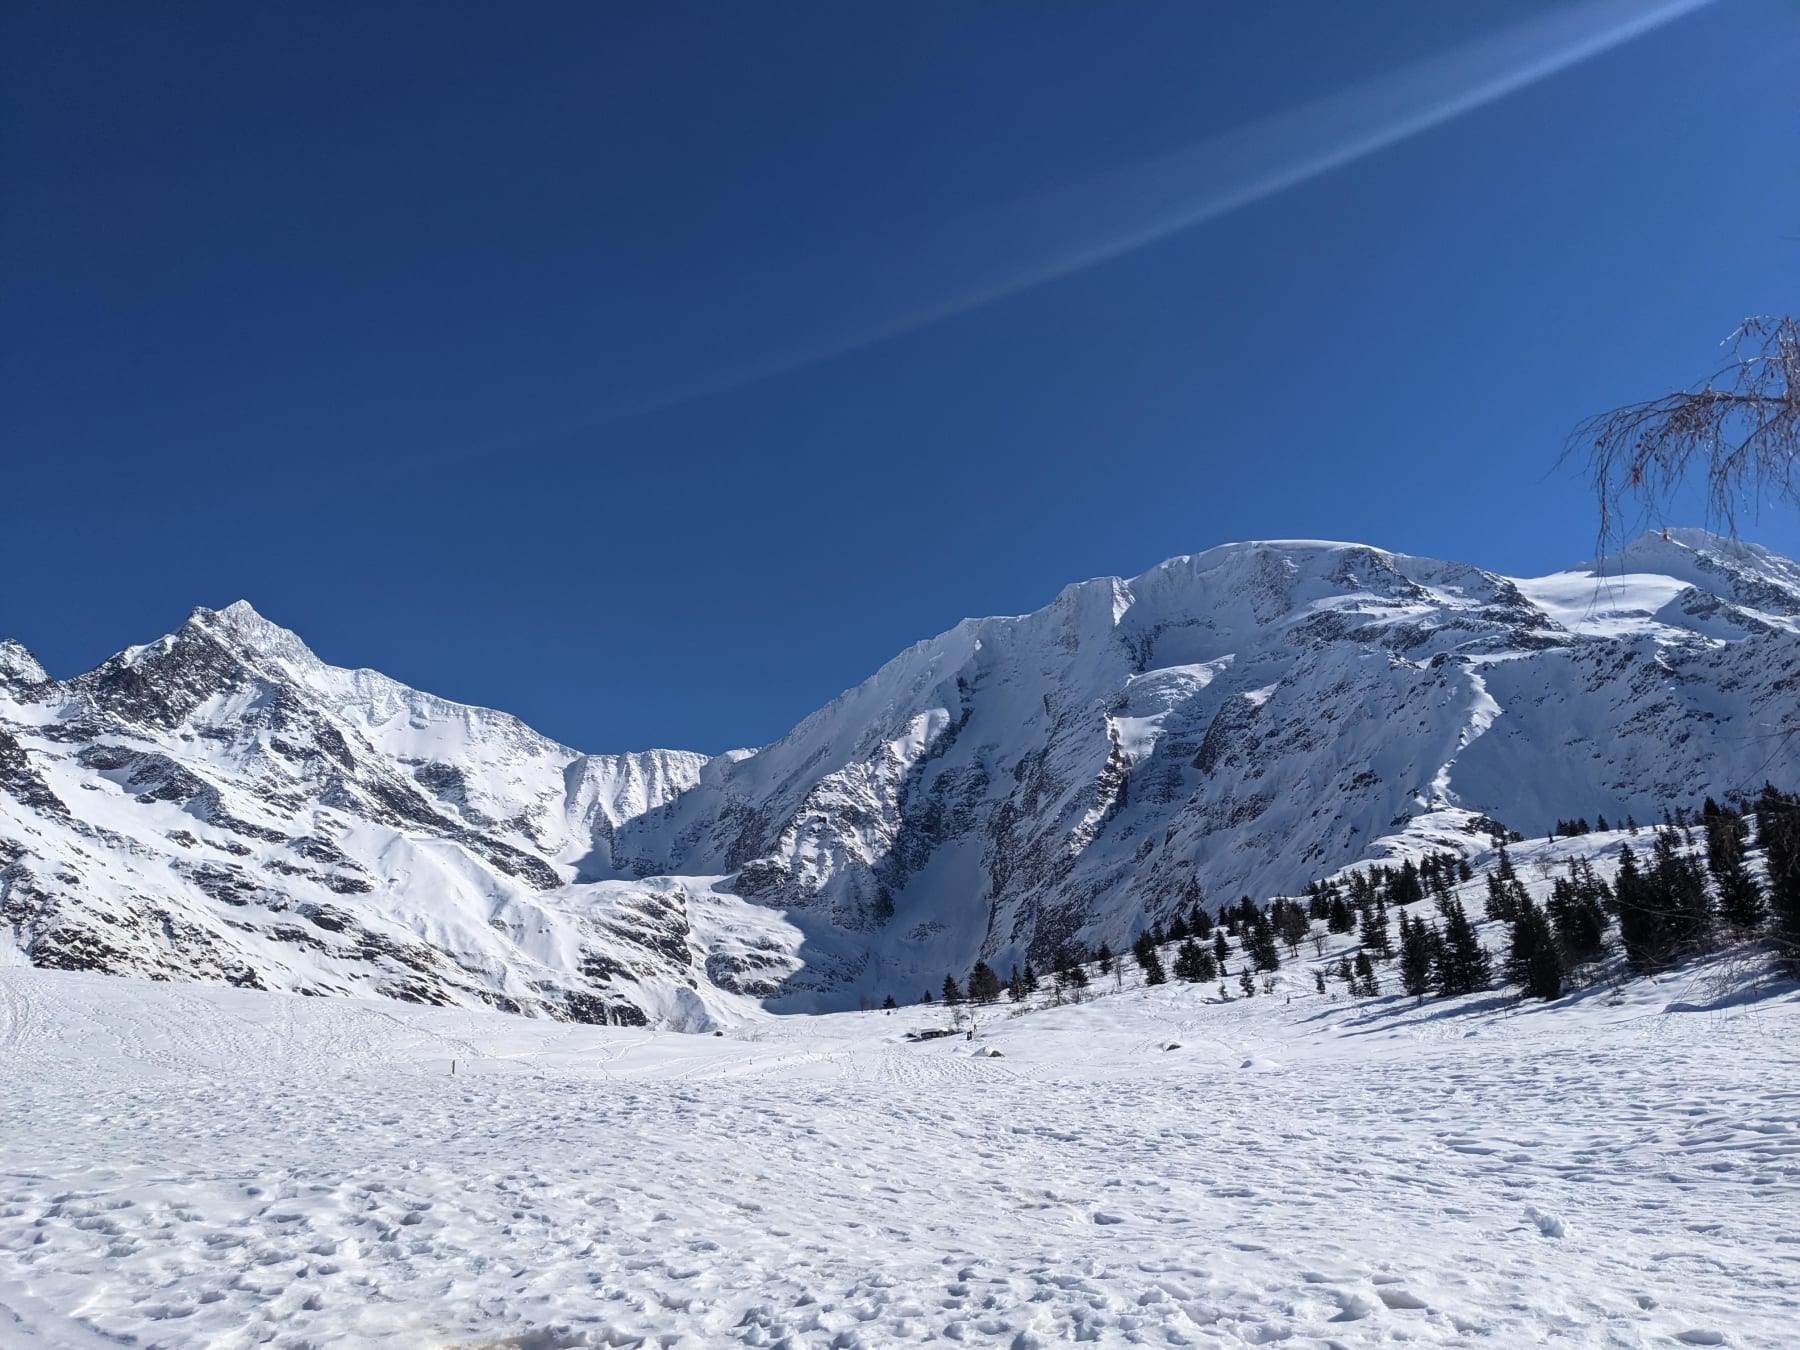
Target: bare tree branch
pixel 1738 431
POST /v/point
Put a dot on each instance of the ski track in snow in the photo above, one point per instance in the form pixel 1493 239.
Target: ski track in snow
pixel 183 1166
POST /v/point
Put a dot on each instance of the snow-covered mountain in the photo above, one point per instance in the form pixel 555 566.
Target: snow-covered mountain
pixel 220 805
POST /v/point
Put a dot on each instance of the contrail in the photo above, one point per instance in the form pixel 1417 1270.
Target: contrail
pixel 897 285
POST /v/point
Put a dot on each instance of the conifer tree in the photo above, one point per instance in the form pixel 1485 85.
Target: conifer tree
pixel 1643 920
pixel 1502 900
pixel 1415 956
pixel 1178 929
pixel 1664 908
pixel 984 985
pixel 1318 904
pixel 1434 945
pixel 1105 958
pixel 1681 882
pixel 1778 832
pixel 1141 944
pixel 1195 964
pixel 1462 965
pixel 1405 887
pixel 1444 880
pixel 1031 978
pixel 1016 988
pixel 1534 961
pixel 1575 913
pixel 927 997
pixel 952 992
pixel 1261 942
pixel 1068 971
pixel 1247 913
pixel 1221 948
pixel 1184 961
pixel 1340 918
pixel 1740 898
pixel 1589 888
pixel 1201 923
pixel 1246 983
pixel 888 1004
pixel 1375 936
pixel 1520 942
pixel 1153 968
pixel 1319 979
pixel 1366 983
pixel 1144 952
pixel 1293 923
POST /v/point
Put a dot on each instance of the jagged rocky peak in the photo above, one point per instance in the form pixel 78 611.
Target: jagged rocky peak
pixel 216 652
pixel 240 625
pixel 18 667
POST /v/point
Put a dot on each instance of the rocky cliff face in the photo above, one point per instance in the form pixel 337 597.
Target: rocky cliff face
pixel 220 805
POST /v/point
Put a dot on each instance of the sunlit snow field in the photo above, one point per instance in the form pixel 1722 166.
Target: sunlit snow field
pixel 184 1166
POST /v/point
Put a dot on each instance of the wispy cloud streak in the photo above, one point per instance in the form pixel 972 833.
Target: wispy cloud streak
pixel 889 287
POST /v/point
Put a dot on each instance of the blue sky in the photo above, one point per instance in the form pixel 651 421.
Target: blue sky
pixel 425 328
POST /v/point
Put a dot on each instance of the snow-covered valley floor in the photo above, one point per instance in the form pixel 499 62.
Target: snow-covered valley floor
pixel 184 1166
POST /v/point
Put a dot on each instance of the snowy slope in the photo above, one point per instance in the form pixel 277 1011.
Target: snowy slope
pixel 1247 718
pixel 188 1167
pixel 221 806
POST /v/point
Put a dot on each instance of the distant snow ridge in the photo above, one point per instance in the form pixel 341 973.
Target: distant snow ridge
pixel 222 806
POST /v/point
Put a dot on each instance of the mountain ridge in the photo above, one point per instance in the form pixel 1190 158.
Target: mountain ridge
pixel 220 804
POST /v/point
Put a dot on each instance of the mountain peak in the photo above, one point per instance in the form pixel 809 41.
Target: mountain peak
pixel 18 666
pixel 242 627
pixel 1681 541
pixel 1724 565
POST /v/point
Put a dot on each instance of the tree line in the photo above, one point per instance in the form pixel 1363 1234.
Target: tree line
pixel 1668 905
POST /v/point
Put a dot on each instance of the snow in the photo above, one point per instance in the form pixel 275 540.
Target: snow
pixel 188 1166
pixel 221 805
pixel 18 666
pixel 1644 580
pixel 1601 606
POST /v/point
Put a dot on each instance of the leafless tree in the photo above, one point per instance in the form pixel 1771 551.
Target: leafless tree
pixel 1738 431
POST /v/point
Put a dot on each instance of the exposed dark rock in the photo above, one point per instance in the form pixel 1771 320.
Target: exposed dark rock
pixel 18 778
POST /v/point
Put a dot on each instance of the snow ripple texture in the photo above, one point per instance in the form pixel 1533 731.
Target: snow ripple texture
pixel 191 1167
